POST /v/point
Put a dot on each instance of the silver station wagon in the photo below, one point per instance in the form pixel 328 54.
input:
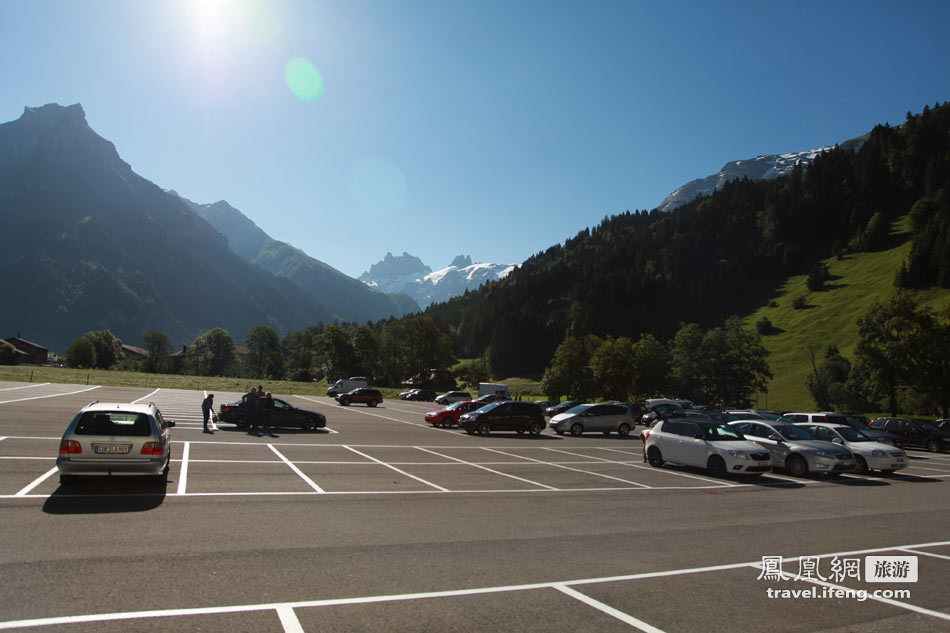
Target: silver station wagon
pixel 115 438
pixel 606 418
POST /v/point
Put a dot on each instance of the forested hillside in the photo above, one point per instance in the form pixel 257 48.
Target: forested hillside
pixel 719 255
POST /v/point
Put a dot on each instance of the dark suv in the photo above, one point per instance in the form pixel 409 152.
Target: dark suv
pixel 505 415
pixel 915 433
pixel 423 395
pixel 369 397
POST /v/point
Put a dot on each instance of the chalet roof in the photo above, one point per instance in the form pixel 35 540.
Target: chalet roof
pixel 26 342
pixel 132 349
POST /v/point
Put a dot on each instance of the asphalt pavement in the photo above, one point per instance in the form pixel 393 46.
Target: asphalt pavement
pixel 382 522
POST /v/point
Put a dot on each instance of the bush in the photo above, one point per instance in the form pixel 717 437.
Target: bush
pixel 764 326
pixel 799 303
pixel 7 353
pixel 81 354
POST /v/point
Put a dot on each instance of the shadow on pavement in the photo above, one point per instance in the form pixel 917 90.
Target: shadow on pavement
pixel 105 496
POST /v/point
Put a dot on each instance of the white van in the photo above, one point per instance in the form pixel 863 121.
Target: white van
pixel 345 385
pixel 491 388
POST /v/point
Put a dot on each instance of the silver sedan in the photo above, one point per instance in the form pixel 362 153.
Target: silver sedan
pixel 115 438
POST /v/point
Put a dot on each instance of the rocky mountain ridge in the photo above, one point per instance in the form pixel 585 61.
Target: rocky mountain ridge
pixel 409 275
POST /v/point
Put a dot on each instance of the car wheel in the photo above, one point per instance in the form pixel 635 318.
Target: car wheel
pixel 484 428
pixel 373 403
pixel 796 466
pixel 535 429
pixel 716 467
pixel 345 402
pixel 861 466
pixel 655 457
pixel 933 446
pixel 310 425
pixel 623 430
pixel 576 429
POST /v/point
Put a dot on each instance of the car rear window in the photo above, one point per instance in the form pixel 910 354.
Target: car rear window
pixel 121 423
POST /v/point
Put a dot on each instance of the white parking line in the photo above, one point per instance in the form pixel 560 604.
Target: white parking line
pixel 38 384
pixel 310 482
pixel 36 482
pixel 288 619
pixel 398 470
pixel 587 472
pixel 148 396
pixel 650 468
pixel 931 554
pixel 600 606
pixel 52 395
pixel 183 475
pixel 491 470
pixel 871 596
pixel 331 602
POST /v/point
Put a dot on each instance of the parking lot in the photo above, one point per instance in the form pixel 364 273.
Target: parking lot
pixel 382 522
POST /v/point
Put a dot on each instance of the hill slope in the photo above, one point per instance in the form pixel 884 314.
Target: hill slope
pixel 830 317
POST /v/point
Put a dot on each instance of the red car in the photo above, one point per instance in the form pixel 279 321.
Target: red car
pixel 449 416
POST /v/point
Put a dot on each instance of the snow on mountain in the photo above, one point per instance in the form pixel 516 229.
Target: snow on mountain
pixel 407 274
pixel 758 168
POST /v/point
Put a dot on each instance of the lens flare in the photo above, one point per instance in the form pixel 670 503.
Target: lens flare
pixel 379 187
pixel 303 79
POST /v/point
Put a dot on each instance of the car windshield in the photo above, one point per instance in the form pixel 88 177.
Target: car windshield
pixel 790 432
pixel 927 426
pixel 721 433
pixel 490 407
pixel 852 435
pixel 454 405
pixel 578 409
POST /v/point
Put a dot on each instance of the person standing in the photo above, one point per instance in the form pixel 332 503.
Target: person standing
pixel 207 410
pixel 267 407
pixel 250 410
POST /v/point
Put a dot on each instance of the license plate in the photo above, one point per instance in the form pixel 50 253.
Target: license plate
pixel 111 449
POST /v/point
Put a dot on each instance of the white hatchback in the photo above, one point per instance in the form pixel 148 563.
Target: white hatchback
pixel 707 444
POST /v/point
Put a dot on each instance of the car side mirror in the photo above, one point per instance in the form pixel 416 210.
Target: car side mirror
pixel 775 438
pixel 837 440
pixel 169 423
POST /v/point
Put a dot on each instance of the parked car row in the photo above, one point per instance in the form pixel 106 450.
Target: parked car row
pixel 758 446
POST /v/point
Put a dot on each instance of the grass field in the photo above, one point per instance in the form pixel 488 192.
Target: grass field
pixel 829 318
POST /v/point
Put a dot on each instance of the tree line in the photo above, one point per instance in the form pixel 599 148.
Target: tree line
pixel 722 365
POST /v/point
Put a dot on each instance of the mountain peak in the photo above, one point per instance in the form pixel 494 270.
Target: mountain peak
pixel 58 133
pixel 53 112
pixel 396 266
pixel 461 261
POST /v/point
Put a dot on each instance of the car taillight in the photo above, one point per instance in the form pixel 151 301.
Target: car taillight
pixel 69 446
pixel 153 448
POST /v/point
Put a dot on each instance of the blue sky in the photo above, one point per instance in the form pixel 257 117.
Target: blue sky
pixel 494 129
